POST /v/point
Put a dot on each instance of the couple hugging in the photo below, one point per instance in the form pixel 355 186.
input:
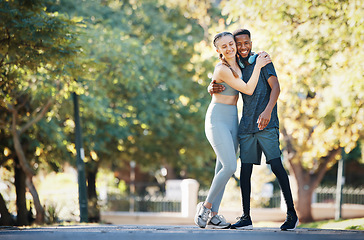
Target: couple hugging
pixel 254 76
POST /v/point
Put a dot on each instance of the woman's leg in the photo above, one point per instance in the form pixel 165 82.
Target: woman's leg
pixel 225 152
pixel 234 135
pixel 216 203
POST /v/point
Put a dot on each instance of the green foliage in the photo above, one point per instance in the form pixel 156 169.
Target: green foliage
pixel 139 92
pixel 37 60
pixel 357 227
pixel 46 51
pixel 141 101
pixel 52 213
pixel 353 224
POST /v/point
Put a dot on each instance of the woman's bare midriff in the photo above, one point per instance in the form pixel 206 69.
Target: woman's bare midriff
pixel 225 99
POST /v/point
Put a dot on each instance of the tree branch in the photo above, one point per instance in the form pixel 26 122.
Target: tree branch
pixel 37 118
pixel 10 107
pixel 322 168
pixel 23 103
pixel 290 153
pixel 18 147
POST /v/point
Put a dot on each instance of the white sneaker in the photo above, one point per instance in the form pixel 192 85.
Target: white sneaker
pixel 218 222
pixel 202 215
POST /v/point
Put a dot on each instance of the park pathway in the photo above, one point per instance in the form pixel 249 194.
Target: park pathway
pixel 143 232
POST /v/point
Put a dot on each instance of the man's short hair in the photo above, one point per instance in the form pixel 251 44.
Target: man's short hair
pixel 241 32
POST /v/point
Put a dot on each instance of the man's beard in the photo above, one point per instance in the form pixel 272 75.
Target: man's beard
pixel 245 60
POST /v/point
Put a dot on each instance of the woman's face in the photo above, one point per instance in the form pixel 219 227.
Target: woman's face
pixel 226 46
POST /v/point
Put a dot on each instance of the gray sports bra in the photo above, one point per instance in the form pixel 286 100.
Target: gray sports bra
pixel 229 91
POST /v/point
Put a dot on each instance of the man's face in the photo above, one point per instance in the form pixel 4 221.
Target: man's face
pixel 244 45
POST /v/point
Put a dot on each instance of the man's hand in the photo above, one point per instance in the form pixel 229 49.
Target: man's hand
pixel 264 119
pixel 215 88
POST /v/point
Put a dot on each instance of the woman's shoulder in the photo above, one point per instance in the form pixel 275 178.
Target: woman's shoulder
pixel 220 72
pixel 221 68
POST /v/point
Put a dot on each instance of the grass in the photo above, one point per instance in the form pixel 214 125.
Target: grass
pixel 350 224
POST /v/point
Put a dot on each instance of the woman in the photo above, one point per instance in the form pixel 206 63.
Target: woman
pixel 221 125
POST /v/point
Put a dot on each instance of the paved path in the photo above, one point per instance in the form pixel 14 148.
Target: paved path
pixel 124 232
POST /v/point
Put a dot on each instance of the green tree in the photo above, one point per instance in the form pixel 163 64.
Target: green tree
pixel 36 49
pixel 142 101
pixel 141 81
pixel 314 46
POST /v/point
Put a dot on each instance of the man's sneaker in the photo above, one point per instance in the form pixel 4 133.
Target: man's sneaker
pixel 202 215
pixel 291 221
pixel 218 222
pixel 244 222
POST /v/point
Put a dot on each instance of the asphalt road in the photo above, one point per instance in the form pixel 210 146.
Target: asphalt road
pixel 138 232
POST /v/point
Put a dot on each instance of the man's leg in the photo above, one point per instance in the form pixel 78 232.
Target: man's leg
pixel 250 153
pixel 269 141
pixel 281 174
pixel 245 186
pixel 245 221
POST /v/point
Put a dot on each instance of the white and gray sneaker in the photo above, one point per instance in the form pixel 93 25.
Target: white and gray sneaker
pixel 202 215
pixel 218 222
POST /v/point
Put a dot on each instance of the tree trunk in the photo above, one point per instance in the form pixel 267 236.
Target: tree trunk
pixel 93 207
pixel 20 152
pixel 5 219
pixel 20 189
pixel 171 173
pixel 40 213
pixel 304 201
pixel 304 189
pixel 27 170
pixel 307 182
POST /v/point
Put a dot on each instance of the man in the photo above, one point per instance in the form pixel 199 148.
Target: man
pixel 259 131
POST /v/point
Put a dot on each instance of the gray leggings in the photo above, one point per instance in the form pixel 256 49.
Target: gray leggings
pixel 221 128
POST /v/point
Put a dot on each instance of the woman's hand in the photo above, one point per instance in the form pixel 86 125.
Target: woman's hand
pixel 263 59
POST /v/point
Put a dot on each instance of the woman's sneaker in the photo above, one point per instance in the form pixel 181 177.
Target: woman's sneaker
pixel 218 222
pixel 202 215
pixel 245 222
